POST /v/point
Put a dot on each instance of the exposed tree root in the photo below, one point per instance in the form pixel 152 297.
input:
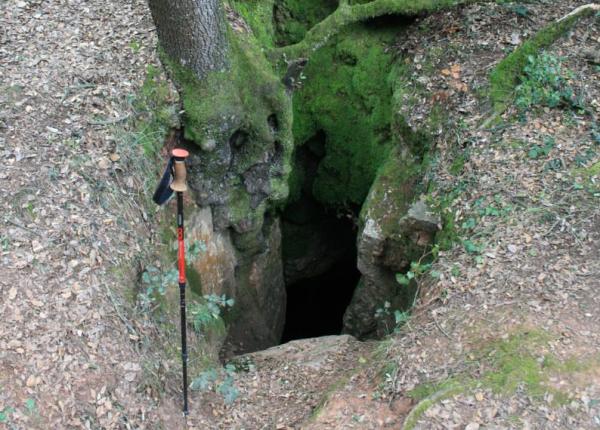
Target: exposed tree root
pixel 505 76
pixel 581 9
pixel 348 14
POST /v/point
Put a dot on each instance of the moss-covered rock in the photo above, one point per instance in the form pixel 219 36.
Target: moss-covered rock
pixel 238 124
pixel 347 97
pixel 293 18
pixel 394 231
pixel 240 120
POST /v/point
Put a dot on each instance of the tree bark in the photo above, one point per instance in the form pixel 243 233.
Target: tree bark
pixel 192 32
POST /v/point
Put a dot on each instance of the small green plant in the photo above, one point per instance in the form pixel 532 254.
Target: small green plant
pixel 545 82
pixel 156 283
pixel 209 312
pixel 417 269
pixel 135 46
pixel 583 158
pixel 538 151
pixel 30 406
pixel 385 313
pixel 5 414
pixel 221 381
pixel 472 247
pixel 4 243
pixel 469 224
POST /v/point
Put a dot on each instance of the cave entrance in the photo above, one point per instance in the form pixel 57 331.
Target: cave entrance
pixel 316 304
pixel 319 255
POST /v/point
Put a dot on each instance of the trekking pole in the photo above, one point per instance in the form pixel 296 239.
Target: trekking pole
pixel 174 180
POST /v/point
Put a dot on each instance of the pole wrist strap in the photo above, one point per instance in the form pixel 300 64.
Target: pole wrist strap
pixel 163 190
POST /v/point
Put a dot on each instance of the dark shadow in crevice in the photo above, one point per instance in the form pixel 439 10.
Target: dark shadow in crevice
pixel 316 305
pixel 319 254
pixel 392 20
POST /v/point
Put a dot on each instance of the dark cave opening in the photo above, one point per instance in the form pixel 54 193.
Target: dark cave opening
pixel 319 255
pixel 316 304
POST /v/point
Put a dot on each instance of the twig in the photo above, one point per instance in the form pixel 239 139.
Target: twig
pixel 553 227
pixel 440 327
pixel 16 224
pixel 72 88
pixel 118 311
pixel 109 121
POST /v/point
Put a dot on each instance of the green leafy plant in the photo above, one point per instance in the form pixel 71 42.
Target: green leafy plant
pixel 135 46
pixel 545 82
pixel 221 381
pixel 156 281
pixel 30 406
pixel 537 151
pixel 385 313
pixel 5 414
pixel 417 269
pixel 472 247
pixel 209 312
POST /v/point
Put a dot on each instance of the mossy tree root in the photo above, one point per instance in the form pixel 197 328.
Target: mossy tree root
pixel 417 412
pixel 347 14
pixel 505 76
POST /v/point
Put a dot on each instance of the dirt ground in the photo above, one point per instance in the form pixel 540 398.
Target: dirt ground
pixel 72 355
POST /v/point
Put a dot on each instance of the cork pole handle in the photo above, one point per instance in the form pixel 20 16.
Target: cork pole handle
pixel 180 174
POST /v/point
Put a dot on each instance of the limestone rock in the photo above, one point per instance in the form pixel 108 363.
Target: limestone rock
pixel 315 353
pixel 393 233
pixel 260 293
pixel 254 280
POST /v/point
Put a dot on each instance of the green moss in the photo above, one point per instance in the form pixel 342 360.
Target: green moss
pixel 510 364
pixel 391 195
pixel 514 363
pixel 352 12
pixel 293 18
pixel 240 98
pixel 194 281
pixel 157 108
pixel 505 76
pixel 347 96
pixel 258 14
pixel 249 92
pixel 587 177
pixel 433 395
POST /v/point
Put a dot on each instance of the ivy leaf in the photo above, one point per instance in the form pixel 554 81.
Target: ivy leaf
pixel 471 247
pixel 402 279
pixel 30 405
pixel 4 413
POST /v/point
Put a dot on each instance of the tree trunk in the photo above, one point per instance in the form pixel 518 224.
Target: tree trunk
pixel 192 32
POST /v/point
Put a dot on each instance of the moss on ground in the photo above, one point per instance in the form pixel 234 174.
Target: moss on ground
pixel 157 107
pixel 590 176
pixel 505 76
pixel 520 361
